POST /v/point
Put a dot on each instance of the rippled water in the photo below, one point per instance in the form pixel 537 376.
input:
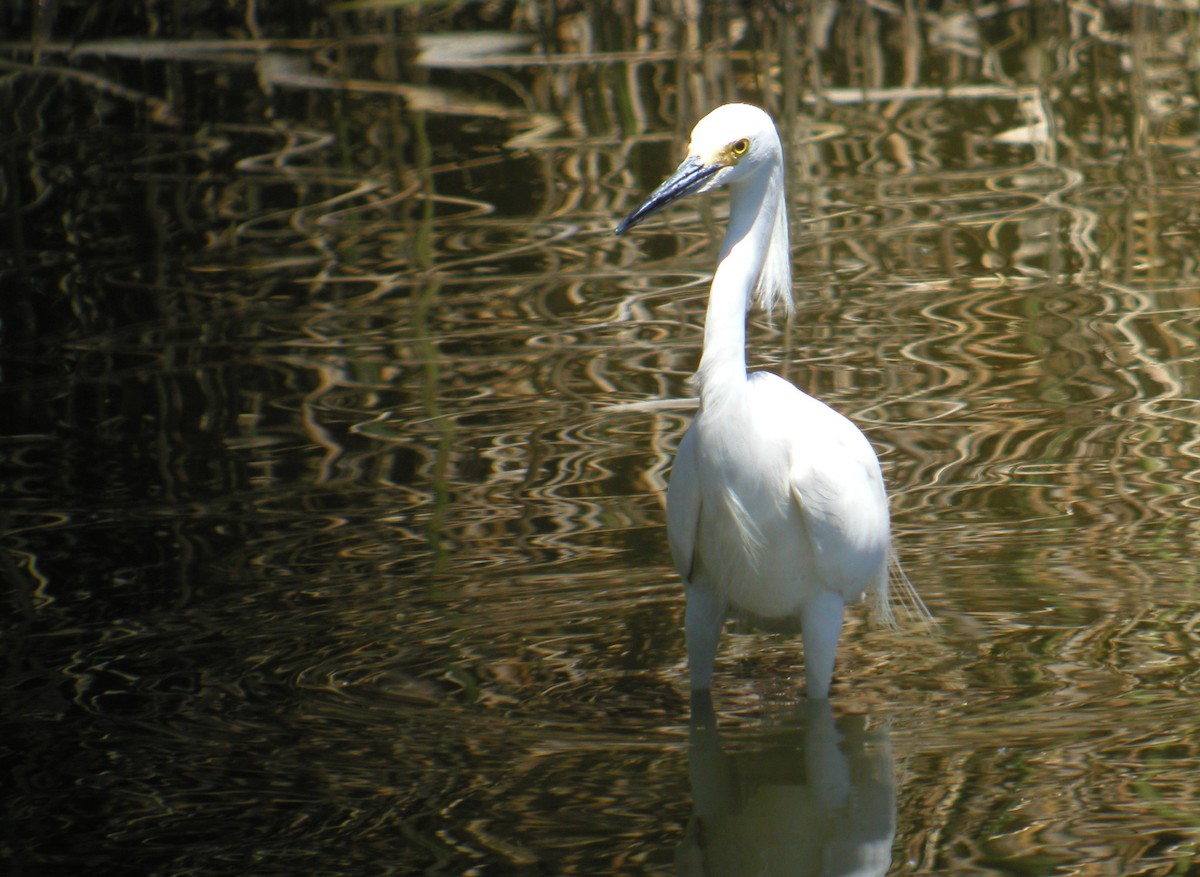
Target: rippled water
pixel 339 424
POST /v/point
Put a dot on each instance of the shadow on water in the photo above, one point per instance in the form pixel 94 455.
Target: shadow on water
pixel 337 424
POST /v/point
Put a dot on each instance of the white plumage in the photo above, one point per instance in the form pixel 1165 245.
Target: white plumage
pixel 776 509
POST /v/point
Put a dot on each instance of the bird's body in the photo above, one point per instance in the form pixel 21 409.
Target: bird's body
pixel 775 496
pixel 776 508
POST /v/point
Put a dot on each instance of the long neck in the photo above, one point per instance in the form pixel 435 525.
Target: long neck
pixel 754 215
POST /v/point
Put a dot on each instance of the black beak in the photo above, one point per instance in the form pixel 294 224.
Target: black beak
pixel 689 177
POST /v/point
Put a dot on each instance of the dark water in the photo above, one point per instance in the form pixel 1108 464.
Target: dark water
pixel 337 423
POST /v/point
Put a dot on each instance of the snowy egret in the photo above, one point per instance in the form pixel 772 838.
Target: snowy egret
pixel 776 509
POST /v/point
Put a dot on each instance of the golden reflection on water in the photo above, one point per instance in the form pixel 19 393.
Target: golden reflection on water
pixel 410 409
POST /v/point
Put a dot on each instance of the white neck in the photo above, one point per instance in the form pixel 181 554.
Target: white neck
pixel 755 258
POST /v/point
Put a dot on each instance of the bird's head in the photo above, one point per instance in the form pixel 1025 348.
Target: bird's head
pixel 732 142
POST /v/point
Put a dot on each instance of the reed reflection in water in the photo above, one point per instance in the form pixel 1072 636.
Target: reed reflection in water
pixel 338 423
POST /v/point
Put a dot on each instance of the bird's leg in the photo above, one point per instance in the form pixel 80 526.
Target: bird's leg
pixel 702 623
pixel 820 626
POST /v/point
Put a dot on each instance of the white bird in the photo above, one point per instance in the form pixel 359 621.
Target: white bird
pixel 776 509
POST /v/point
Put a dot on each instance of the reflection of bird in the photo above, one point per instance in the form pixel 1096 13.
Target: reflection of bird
pixel 808 797
pixel 776 509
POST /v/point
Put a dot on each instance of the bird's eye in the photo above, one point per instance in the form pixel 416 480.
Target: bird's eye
pixel 740 147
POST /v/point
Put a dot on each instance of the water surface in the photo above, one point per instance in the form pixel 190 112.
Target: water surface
pixel 339 424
